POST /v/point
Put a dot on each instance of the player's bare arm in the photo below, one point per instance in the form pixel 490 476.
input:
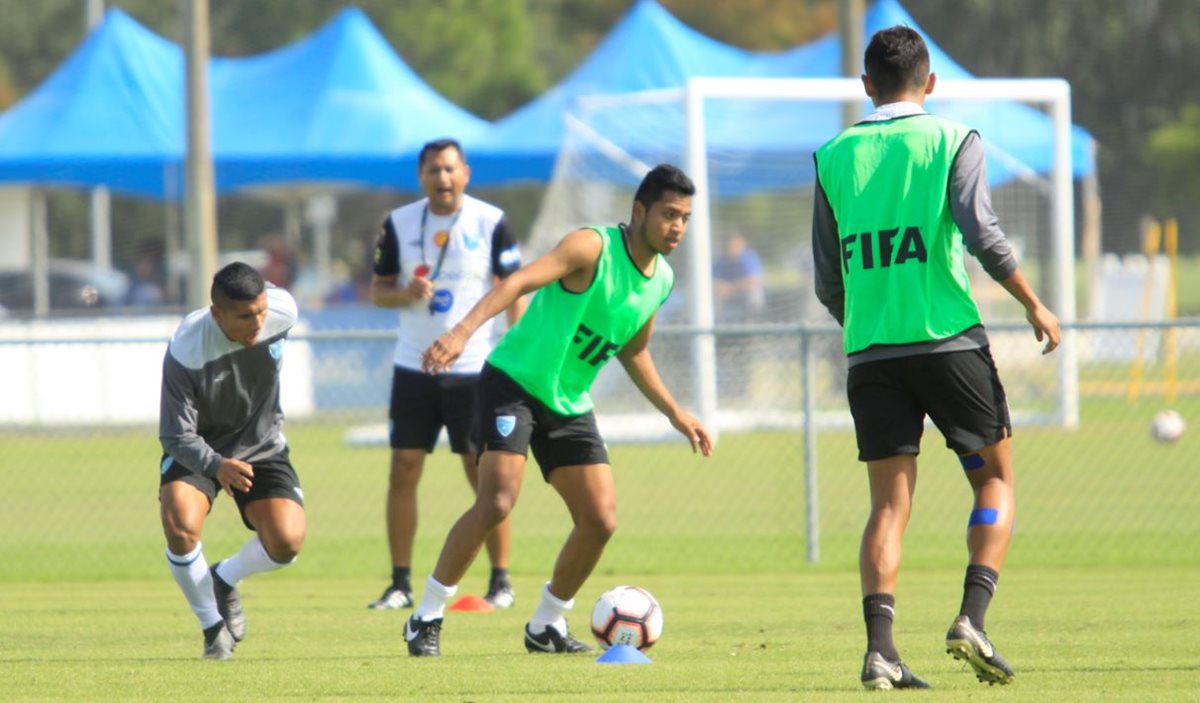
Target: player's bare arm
pixel 573 262
pixel 1045 324
pixel 513 312
pixel 386 291
pixel 639 365
pixel 516 310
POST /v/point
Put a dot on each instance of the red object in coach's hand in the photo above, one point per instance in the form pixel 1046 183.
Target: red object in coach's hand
pixel 421 271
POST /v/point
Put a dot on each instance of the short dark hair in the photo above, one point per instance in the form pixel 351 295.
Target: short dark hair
pixel 897 60
pixel 663 177
pixel 437 146
pixel 236 282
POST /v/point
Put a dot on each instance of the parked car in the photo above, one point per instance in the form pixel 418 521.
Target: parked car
pixel 74 285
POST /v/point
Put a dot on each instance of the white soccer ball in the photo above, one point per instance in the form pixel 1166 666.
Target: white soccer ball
pixel 627 615
pixel 1167 426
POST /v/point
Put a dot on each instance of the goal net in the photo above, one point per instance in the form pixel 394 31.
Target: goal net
pixel 729 341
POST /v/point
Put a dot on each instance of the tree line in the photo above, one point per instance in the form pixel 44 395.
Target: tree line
pixel 1127 61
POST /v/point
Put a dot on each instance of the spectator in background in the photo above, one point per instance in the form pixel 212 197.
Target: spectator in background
pixel 146 290
pixel 738 281
pixel 281 267
pixel 352 284
pixel 738 289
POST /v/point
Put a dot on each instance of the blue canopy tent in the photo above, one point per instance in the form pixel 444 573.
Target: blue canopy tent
pixel 648 49
pixel 337 106
pixel 341 106
pixel 112 114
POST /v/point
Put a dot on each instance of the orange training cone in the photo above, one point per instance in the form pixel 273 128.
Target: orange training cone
pixel 472 604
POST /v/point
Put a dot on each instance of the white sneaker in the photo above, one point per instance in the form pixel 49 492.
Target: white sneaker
pixel 392 599
pixel 500 594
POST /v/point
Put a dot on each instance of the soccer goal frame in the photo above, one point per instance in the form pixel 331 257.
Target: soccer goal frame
pixel 1053 95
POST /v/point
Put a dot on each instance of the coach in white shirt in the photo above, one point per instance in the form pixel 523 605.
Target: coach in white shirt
pixel 434 259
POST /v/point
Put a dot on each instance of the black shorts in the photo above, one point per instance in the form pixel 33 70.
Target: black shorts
pixel 959 391
pixel 274 477
pixel 511 420
pixel 423 403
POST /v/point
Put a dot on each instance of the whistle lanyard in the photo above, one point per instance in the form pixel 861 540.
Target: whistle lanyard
pixel 437 268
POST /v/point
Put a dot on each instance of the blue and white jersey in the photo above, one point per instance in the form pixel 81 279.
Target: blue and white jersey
pixel 461 254
pixel 220 399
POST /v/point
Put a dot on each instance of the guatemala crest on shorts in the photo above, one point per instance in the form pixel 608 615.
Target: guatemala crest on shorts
pixel 505 424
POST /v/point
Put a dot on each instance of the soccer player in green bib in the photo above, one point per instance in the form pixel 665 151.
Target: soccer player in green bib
pixel 597 294
pixel 899 197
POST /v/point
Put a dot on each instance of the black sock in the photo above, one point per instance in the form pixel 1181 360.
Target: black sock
pixel 879 609
pixel 978 588
pixel 401 576
pixel 498 576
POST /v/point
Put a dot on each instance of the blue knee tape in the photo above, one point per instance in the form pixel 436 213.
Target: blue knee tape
pixel 983 516
pixel 971 461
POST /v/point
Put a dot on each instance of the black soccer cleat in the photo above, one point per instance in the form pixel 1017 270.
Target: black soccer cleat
pixel 966 642
pixel 551 641
pixel 229 605
pixel 879 674
pixel 423 637
pixel 218 643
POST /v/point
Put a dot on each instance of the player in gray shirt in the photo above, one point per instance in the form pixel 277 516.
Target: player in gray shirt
pixel 220 426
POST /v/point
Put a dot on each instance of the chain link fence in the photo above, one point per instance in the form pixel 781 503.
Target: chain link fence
pixel 79 450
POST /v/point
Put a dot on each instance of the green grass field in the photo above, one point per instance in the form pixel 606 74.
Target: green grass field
pixel 1075 634
pixel 1097 601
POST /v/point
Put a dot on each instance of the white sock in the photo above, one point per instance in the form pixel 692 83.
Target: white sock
pixel 551 612
pixel 190 571
pixel 433 600
pixel 251 559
